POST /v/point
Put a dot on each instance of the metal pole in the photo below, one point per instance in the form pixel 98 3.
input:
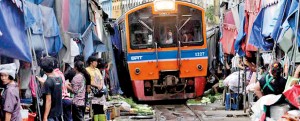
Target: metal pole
pixel 33 55
pixel 295 39
pixel 257 64
pixel 244 89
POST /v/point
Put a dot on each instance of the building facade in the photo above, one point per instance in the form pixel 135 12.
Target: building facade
pixel 116 8
pixel 107 7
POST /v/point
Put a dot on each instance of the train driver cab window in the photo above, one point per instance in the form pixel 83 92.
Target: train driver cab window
pixel 190 26
pixel 141 29
pixel 165 31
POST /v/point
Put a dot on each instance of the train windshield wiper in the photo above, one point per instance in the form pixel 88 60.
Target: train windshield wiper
pixel 185 23
pixel 144 24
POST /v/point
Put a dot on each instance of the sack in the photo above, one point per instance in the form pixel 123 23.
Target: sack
pixel 97 92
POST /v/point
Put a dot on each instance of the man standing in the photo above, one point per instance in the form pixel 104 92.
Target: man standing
pixel 52 92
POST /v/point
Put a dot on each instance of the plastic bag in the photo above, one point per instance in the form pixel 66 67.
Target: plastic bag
pixel 292 95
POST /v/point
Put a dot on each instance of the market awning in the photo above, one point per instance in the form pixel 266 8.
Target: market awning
pixel 13 41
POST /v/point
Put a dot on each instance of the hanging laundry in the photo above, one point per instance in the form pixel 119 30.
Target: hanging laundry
pixel 13 40
pixel 51 30
pixel 241 31
pixel 229 33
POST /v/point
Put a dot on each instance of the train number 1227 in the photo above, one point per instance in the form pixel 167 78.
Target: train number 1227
pixel 199 54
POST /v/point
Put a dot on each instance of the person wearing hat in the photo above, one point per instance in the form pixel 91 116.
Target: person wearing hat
pixel 272 83
pixel 10 106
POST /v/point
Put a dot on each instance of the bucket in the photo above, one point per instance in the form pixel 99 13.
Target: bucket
pixel 31 116
pixel 108 114
pixel 24 115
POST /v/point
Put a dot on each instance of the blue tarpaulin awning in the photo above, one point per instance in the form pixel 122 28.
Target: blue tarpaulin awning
pixel 13 40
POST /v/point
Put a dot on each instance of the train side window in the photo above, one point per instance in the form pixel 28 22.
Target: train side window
pixel 123 36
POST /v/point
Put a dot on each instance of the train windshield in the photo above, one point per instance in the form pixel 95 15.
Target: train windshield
pixel 141 29
pixel 190 26
pixel 165 31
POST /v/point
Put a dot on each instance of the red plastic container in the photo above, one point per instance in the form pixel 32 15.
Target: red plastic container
pixel 31 116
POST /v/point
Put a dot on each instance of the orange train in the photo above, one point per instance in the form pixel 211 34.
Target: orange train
pixel 165 50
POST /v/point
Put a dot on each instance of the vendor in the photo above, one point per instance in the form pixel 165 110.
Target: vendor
pixel 272 83
pixel 10 106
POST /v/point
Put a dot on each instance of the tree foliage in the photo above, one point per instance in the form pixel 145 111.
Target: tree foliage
pixel 210 14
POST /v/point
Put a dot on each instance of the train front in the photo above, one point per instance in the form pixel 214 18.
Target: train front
pixel 167 54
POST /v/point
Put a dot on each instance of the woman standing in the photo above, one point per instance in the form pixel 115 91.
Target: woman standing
pixel 10 107
pixel 96 82
pixel 78 88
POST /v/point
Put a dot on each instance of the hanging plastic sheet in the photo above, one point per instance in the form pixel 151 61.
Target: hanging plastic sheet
pixel 241 31
pixel 229 33
pixel 98 45
pixel 290 22
pixel 283 10
pixel 114 80
pixel 221 53
pixel 51 30
pixel 236 18
pixel 35 1
pixel 270 16
pixel 33 13
pixel 65 15
pixel 256 37
pixel 74 17
pixel 286 45
pixel 252 8
pixel 13 40
pixel 87 38
pixel 116 39
pixel 212 40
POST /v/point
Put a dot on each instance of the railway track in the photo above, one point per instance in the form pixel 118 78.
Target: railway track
pixel 179 112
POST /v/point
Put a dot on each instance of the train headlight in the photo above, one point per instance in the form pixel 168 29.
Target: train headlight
pixel 137 71
pixel 164 5
pixel 199 67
